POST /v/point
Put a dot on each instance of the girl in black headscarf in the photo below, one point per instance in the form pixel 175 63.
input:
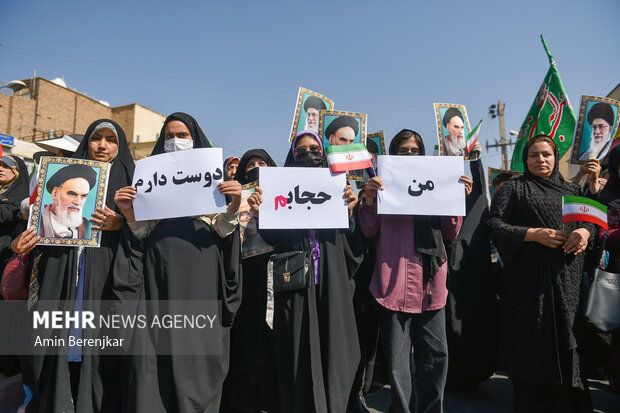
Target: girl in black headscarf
pixel 610 196
pixel 314 330
pixel 187 258
pixel 409 284
pixel 540 284
pixel 250 385
pixel 87 383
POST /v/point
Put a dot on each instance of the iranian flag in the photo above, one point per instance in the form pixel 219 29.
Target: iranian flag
pixel 578 208
pixel 33 186
pixel 351 157
pixel 551 114
pixel 472 137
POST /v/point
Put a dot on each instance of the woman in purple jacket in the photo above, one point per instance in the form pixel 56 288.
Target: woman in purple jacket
pixel 409 283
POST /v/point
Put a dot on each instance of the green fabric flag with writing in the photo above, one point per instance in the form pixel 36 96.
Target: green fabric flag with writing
pixel 550 114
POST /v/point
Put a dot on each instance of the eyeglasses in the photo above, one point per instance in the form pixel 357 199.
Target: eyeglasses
pixel 300 150
pixel 599 127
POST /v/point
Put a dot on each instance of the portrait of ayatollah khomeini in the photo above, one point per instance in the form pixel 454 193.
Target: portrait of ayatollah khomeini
pixel 69 188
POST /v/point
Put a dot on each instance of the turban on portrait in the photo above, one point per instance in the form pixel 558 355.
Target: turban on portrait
pixel 341 122
pixel 450 113
pixel 372 146
pixel 314 102
pixel 601 111
pixel 71 172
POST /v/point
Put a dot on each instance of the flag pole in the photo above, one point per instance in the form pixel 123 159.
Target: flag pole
pixel 544 42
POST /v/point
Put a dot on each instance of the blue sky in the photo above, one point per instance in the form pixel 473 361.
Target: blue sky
pixel 236 66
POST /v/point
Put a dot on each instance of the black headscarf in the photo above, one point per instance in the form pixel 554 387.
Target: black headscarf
pixel 427 229
pixel 290 157
pixel 556 180
pixel 123 166
pixel 17 190
pixel 241 176
pixel 610 195
pixel 198 136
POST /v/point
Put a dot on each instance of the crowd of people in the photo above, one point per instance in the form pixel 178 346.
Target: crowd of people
pixel 416 295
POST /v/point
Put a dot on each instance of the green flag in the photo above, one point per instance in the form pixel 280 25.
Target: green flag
pixel 551 114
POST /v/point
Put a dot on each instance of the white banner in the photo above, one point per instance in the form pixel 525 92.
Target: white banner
pixel 421 185
pixel 302 198
pixel 179 184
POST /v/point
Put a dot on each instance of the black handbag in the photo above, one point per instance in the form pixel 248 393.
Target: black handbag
pixel 291 271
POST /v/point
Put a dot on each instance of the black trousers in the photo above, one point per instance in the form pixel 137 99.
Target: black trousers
pixel 417 381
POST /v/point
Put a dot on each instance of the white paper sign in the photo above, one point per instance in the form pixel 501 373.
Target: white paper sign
pixel 179 184
pixel 302 198
pixel 421 185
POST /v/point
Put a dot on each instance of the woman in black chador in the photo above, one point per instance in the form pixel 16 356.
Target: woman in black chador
pixel 188 258
pixel 540 284
pixel 85 382
pixel 314 331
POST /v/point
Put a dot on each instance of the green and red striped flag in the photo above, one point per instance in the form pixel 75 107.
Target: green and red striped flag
pixel 351 157
pixel 472 137
pixel 551 114
pixel 578 208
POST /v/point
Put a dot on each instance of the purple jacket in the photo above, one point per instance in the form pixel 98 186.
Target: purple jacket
pixel 396 282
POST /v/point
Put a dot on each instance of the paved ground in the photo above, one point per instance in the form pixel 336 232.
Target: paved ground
pixel 491 396
pixel 495 396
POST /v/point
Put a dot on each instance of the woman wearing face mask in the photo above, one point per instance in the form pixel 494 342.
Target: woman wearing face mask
pixel 540 284
pixel 250 385
pixel 409 284
pixel 84 382
pixel 188 258
pixel 314 330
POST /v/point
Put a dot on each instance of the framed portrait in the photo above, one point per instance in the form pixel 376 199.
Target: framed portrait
pixel 337 127
pixel 307 109
pixel 251 242
pixel 497 178
pixel 452 129
pixel 69 191
pixel 596 128
pixel 375 143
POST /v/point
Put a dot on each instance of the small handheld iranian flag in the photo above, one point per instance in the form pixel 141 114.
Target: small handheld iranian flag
pixel 578 208
pixel 472 137
pixel 351 157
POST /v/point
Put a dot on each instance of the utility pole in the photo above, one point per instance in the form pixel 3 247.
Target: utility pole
pixel 495 111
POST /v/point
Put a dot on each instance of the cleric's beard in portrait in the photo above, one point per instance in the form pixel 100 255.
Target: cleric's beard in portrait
pixel 69 215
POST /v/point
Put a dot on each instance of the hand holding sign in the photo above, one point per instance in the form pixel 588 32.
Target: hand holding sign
pixel 255 200
pixel 124 200
pixel 351 199
pixel 468 184
pixel 232 189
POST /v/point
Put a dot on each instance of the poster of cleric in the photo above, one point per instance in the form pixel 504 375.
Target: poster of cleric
pixel 69 191
pixel 596 128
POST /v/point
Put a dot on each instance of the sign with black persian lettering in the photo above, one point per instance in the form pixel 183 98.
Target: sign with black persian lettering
pixel 302 198
pixel 421 185
pixel 179 184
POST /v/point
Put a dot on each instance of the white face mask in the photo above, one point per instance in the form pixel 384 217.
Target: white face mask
pixel 176 144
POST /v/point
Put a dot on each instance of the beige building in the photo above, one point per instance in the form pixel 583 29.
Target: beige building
pixel 141 125
pixel 46 109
